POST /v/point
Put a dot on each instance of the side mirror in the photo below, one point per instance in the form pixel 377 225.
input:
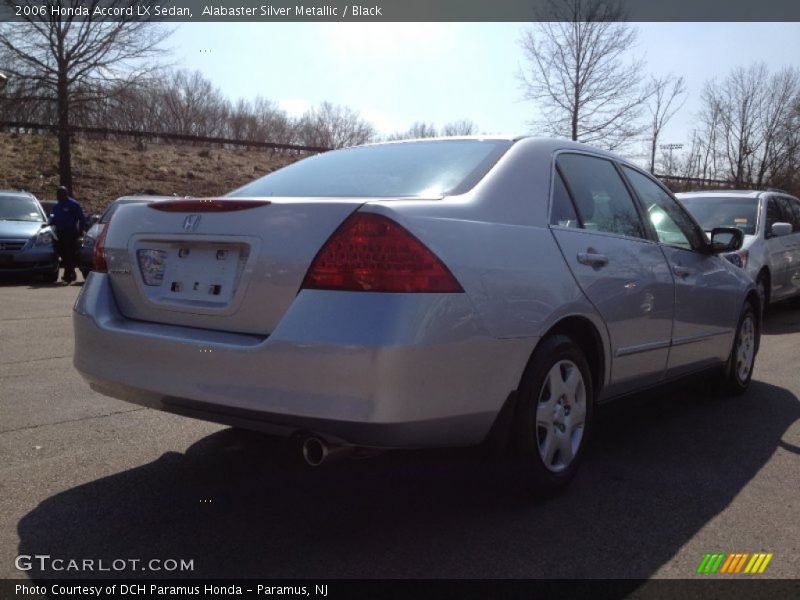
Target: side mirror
pixel 726 239
pixel 93 219
pixel 779 229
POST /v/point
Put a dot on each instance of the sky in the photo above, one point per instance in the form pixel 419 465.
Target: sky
pixel 394 74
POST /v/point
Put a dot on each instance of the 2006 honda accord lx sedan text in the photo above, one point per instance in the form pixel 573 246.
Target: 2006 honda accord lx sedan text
pixel 417 294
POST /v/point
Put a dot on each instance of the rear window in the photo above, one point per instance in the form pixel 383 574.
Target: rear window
pixel 722 211
pixel 413 169
pixel 19 208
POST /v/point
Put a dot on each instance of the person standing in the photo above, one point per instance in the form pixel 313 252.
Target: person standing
pixel 68 222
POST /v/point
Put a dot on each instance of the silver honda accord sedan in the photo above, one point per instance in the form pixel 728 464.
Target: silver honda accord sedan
pixel 417 294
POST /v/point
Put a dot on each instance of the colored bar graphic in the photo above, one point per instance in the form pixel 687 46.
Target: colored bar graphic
pixel 726 567
pixel 741 562
pixel 720 562
pixel 765 563
pixel 703 563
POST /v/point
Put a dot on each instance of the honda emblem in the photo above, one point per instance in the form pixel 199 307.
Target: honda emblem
pixel 191 223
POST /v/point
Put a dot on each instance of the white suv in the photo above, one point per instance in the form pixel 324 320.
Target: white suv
pixel 771 223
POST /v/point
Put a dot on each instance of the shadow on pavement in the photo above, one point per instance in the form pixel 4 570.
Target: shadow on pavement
pixel 782 317
pixel 239 504
pixel 33 282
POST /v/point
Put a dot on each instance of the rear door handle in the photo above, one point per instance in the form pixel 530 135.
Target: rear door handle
pixel 592 259
pixel 681 271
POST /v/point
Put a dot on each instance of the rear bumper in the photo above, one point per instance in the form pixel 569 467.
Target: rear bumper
pixel 335 366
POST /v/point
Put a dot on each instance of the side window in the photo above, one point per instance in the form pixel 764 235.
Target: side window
pixel 602 200
pixel 795 204
pixel 562 213
pixel 773 216
pixel 788 213
pixel 669 220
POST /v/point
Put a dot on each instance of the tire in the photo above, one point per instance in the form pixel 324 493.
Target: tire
pixel 50 277
pixel 739 368
pixel 762 284
pixel 549 428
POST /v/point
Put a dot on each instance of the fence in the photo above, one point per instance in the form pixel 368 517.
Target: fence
pixel 152 135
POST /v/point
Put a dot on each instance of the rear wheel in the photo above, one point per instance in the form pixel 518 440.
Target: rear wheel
pixel 739 369
pixel 554 414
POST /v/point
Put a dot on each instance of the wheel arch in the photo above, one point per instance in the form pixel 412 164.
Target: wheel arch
pixel 587 335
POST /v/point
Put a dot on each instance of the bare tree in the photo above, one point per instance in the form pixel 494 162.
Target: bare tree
pixel 331 126
pixel 578 70
pixel 75 60
pixel 462 127
pixel 667 96
pixel 750 116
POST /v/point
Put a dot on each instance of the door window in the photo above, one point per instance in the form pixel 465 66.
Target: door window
pixel 795 204
pixel 773 216
pixel 788 214
pixel 671 223
pixel 562 213
pixel 600 195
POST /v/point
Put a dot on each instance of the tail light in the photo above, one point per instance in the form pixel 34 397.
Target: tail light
pixel 371 253
pixel 196 205
pixel 99 257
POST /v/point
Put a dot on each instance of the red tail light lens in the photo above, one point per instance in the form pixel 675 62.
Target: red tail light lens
pixel 196 205
pixel 371 253
pixel 99 251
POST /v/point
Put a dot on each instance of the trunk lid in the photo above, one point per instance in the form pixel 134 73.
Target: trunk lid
pixel 228 270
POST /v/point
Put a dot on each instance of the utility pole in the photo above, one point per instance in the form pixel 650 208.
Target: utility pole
pixel 670 147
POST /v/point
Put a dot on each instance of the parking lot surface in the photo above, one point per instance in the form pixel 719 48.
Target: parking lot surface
pixel 668 478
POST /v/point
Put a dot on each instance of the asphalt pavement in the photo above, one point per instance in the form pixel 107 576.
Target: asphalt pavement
pixel 668 478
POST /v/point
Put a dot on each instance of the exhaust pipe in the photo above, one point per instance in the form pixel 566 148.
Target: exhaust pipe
pixel 317 451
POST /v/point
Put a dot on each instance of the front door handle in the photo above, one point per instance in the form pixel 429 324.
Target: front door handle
pixel 592 259
pixel 681 272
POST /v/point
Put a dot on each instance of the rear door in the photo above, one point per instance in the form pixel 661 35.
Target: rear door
pixel 707 295
pixel 790 208
pixel 625 275
pixel 777 249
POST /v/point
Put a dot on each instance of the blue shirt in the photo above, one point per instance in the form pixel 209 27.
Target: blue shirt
pixel 68 215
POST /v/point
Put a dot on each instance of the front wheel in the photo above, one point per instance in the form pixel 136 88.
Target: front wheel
pixel 739 369
pixel 554 413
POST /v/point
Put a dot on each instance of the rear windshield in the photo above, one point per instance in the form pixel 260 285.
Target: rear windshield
pixel 412 169
pixel 112 208
pixel 19 208
pixel 720 211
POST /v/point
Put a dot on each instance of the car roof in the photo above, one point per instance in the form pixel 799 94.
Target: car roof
pixel 22 193
pixel 543 144
pixel 723 194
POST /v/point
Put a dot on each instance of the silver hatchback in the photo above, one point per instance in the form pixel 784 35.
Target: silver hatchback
pixel 421 293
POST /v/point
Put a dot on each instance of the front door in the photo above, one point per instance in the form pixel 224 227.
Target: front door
pixel 622 273
pixel 707 300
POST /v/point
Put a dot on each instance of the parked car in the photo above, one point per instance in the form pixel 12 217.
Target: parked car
pixel 48 206
pixel 86 253
pixel 26 239
pixel 418 293
pixel 770 221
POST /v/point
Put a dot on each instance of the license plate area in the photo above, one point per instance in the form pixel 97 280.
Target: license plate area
pixel 190 274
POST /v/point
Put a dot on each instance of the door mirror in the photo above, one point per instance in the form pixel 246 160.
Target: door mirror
pixel 779 229
pixel 726 239
pixel 92 220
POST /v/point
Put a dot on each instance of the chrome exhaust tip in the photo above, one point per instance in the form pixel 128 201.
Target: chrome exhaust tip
pixel 317 451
